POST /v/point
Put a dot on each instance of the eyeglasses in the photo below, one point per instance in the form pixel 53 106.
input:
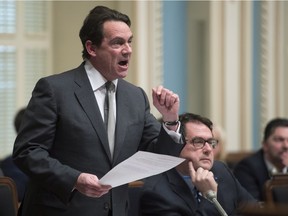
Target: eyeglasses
pixel 199 142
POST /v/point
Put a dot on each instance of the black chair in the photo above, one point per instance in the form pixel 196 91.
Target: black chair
pixel 276 189
pixel 9 197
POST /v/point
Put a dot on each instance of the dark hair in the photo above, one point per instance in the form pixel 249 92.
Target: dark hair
pixel 18 119
pixel 92 28
pixel 190 117
pixel 272 125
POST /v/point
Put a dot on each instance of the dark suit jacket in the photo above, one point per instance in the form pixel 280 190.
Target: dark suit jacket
pixel 168 194
pixel 63 134
pixel 252 173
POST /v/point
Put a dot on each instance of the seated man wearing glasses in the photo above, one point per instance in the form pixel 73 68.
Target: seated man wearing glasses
pixel 186 189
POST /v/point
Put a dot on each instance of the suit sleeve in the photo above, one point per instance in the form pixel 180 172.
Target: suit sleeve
pixel 35 140
pixel 245 175
pixel 164 144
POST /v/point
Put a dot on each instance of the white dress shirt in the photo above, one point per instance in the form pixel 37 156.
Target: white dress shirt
pixel 98 85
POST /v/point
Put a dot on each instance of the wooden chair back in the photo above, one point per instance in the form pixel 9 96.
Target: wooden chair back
pixel 9 197
pixel 135 189
pixel 232 158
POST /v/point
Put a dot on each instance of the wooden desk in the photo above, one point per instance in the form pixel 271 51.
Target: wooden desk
pixel 266 210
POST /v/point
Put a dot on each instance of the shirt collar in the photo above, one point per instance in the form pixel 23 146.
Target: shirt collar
pixel 95 77
pixel 272 169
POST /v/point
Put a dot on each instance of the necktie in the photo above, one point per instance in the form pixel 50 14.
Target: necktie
pixel 197 195
pixel 109 118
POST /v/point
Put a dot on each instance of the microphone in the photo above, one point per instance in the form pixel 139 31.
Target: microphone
pixel 211 196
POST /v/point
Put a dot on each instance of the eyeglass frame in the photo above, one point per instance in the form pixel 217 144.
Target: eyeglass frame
pixel 204 141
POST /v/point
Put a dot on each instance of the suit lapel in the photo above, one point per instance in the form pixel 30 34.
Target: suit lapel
pixel 122 117
pixel 180 187
pixel 85 95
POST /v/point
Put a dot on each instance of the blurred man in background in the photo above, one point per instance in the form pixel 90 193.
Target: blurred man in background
pixel 253 171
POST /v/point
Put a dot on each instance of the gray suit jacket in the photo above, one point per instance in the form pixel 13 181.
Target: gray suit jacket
pixel 63 134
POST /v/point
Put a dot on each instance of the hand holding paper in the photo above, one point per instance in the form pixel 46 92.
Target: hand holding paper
pixel 138 166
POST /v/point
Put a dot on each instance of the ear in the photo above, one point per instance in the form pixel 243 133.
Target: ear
pixel 90 48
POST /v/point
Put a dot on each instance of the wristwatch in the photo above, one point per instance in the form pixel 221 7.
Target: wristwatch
pixel 171 123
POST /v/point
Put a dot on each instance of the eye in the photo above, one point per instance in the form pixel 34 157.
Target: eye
pixel 198 140
pixel 130 42
pixel 117 42
pixel 213 142
pixel 278 139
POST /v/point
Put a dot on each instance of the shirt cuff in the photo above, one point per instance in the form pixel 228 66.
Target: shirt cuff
pixel 175 135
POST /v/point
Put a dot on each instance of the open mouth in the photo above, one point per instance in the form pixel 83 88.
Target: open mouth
pixel 123 63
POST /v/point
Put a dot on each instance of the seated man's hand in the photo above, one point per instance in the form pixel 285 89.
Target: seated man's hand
pixel 202 179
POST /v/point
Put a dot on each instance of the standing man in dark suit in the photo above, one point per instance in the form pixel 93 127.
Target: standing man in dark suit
pixel 181 191
pixel 253 171
pixel 63 144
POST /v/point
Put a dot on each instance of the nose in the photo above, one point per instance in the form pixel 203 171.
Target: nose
pixel 208 146
pixel 207 149
pixel 127 49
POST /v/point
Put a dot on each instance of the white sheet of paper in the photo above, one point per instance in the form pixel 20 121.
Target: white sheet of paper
pixel 140 165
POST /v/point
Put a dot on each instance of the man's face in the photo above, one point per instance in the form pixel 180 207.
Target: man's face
pixel 276 147
pixel 201 157
pixel 113 56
